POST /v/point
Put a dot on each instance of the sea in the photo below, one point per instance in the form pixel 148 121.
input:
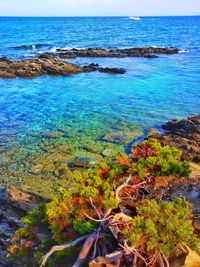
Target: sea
pixel 39 115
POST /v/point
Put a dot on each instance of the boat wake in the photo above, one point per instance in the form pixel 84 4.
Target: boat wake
pixel 135 18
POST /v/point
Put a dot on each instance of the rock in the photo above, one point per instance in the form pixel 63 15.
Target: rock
pixel 196 224
pixel 47 56
pixel 147 52
pixel 121 137
pixel 5 60
pixel 112 70
pixel 4 261
pixel 185 135
pixel 189 191
pixel 50 134
pixel 15 194
pixel 95 67
pixel 37 169
pixel 63 55
pixel 14 204
pixel 36 67
pixel 7 74
pixel 19 199
pixel 154 133
pixel 46 64
pixel 84 162
pixel 109 152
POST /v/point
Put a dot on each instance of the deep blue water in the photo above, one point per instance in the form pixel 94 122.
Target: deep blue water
pixel 88 105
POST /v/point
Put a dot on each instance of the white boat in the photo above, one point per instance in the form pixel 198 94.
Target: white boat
pixel 135 18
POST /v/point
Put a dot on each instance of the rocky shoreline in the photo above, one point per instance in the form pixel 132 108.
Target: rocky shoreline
pixel 183 134
pixel 14 204
pixel 52 64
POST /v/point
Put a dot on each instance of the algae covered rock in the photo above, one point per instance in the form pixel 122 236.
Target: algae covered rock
pixel 84 162
pixel 121 137
pixel 109 152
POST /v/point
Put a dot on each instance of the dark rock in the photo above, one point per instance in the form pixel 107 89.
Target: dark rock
pixel 147 52
pixel 150 56
pixel 185 135
pixel 189 191
pixel 112 70
pixel 30 46
pixel 48 63
pixel 196 224
pixel 14 204
pixel 65 55
pixel 95 67
pixel 47 56
pixel 5 59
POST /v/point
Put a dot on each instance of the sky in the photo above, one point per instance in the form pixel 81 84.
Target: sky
pixel 99 7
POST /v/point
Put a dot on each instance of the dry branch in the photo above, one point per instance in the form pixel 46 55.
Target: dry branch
pixel 61 247
pixel 85 250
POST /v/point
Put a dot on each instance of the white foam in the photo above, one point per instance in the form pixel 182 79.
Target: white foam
pixel 183 51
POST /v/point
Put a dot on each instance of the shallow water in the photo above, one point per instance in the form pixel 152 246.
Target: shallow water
pixel 39 115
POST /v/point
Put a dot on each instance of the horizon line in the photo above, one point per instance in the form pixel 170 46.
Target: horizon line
pixel 86 16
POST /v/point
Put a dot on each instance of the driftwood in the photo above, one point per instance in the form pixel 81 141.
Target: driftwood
pixel 109 259
pixel 61 247
pixel 85 249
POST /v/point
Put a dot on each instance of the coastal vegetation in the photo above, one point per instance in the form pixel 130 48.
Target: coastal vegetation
pixel 117 213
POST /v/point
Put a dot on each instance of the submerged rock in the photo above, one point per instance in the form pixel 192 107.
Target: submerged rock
pixel 121 137
pixel 84 162
pixel 109 152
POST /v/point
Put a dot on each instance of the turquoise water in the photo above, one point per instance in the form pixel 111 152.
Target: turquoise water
pixel 84 107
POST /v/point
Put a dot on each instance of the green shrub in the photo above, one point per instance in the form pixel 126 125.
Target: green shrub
pixel 162 227
pixel 165 162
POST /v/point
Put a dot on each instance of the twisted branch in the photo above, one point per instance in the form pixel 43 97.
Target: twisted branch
pixel 61 247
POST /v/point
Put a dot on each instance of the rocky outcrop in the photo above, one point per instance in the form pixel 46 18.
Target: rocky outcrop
pixel 49 63
pixel 14 204
pixel 185 135
pixel 147 52
pixel 46 64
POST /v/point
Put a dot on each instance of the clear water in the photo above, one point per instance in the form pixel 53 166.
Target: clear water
pixel 82 108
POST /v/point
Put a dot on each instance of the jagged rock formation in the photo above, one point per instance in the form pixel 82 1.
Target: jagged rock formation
pixel 31 68
pixel 147 52
pixel 185 135
pixel 14 204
